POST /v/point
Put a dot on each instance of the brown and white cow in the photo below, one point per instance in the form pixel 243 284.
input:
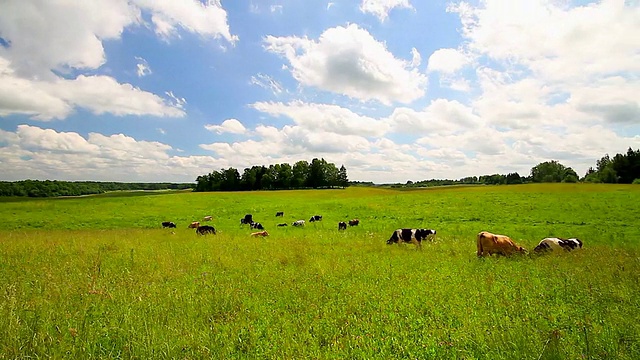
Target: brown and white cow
pixel 553 244
pixel 354 222
pixel 207 218
pixel 489 244
pixel 260 233
pixel 194 225
pixel 414 236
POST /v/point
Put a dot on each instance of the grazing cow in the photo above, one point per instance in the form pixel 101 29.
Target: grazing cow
pixel 489 244
pixel 260 233
pixel 280 213
pixel 342 225
pixel 205 229
pixel 354 222
pixel 257 225
pixel 283 224
pixel 168 224
pixel 298 223
pixel 315 218
pixel 414 236
pixel 207 218
pixel 247 219
pixel 552 244
pixel 194 225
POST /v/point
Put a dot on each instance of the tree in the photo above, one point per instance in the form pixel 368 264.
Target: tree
pixel 550 171
pixel 300 174
pixel 343 180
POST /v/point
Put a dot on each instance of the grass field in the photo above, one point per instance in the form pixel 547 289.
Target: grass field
pixel 97 277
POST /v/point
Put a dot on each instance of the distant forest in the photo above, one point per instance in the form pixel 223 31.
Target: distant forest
pixel 621 169
pixel 48 188
pixel 316 174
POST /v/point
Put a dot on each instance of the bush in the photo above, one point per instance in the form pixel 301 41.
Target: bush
pixel 570 179
pixel 636 181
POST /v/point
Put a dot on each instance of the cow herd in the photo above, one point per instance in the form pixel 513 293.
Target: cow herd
pixel 487 243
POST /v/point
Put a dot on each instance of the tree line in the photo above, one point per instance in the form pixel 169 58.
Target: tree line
pixel 621 169
pixel 53 188
pixel 317 174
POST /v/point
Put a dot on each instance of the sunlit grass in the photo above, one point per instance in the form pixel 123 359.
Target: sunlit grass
pixel 129 289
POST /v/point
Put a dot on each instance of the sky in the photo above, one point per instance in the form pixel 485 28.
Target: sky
pixel 394 90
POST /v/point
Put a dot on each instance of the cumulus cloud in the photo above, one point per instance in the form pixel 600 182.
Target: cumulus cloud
pixel 381 8
pixel 48 38
pixel 232 126
pixel 349 61
pixel 440 117
pixel 46 100
pixel 35 153
pixel 447 61
pixel 207 19
pixel 330 118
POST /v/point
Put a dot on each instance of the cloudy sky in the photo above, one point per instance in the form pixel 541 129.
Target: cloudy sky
pixel 396 90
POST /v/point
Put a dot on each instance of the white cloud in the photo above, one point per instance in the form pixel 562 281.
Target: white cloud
pixel 35 153
pixel 232 126
pixel 416 59
pixel 329 118
pixel 267 82
pixel 447 61
pixel 440 117
pixel 50 37
pixel 206 19
pixel 381 8
pixel 57 99
pixel 142 67
pixel 349 61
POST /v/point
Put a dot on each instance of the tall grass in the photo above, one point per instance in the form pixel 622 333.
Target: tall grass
pixel 99 278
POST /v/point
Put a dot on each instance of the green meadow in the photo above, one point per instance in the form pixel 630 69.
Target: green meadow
pixel 98 277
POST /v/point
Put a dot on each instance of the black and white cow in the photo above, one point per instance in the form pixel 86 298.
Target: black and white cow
pixel 298 223
pixel 315 218
pixel 247 219
pixel 552 244
pixel 342 225
pixel 283 224
pixel 257 225
pixel 205 229
pixel 168 224
pixel 279 213
pixel 411 236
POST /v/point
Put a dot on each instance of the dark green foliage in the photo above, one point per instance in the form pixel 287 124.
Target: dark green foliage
pixel 318 174
pixel 553 171
pixel 623 168
pixel 48 188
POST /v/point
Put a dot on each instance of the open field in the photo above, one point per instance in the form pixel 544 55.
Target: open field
pixel 96 277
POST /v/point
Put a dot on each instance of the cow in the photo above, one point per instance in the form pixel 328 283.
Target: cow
pixel 279 213
pixel 207 218
pixel 489 244
pixel 247 219
pixel 354 222
pixel 552 244
pixel 260 233
pixel 205 229
pixel 298 223
pixel 194 225
pixel 414 236
pixel 168 224
pixel 257 225
pixel 283 224
pixel 315 218
pixel 342 225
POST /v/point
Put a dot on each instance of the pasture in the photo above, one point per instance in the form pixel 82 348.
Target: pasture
pixel 98 277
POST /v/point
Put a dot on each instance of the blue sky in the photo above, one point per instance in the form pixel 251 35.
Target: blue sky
pixel 396 90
